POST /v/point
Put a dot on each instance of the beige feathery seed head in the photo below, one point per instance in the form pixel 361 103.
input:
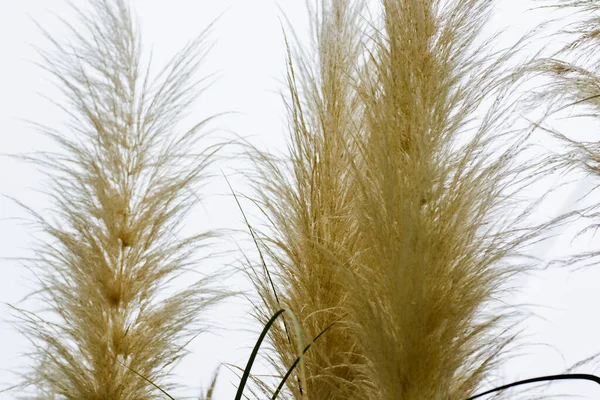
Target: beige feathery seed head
pixel 433 203
pixel 308 199
pixel 391 215
pixel 124 180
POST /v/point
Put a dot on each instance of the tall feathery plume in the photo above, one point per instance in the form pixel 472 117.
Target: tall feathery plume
pixel 436 173
pixel 395 220
pixel 115 323
pixel 307 197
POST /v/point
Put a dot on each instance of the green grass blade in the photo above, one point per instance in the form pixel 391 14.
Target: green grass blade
pixel 291 369
pixel 255 239
pixel 254 353
pixel 560 377
pixel 262 259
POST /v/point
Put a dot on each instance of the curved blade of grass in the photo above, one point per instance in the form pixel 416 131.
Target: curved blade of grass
pixel 291 369
pixel 262 259
pixel 254 353
pixel 560 377
pixel 148 380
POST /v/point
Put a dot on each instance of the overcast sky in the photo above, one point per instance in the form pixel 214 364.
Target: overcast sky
pixel 249 58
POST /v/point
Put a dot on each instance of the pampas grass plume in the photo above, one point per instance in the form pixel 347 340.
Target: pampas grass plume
pixel 308 197
pixel 125 178
pixel 389 215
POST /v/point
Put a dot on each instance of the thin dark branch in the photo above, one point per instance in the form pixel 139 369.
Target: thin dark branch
pixel 560 377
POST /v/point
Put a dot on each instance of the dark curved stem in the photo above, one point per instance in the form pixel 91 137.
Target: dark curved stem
pixel 560 377
pixel 291 369
pixel 264 263
pixel 246 374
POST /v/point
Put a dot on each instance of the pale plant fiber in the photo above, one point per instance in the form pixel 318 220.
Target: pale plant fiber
pixel 391 215
pixel 309 202
pixel 125 178
pixel 574 85
pixel 391 230
pixel 434 243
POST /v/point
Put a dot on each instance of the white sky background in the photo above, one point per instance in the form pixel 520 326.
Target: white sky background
pixel 249 57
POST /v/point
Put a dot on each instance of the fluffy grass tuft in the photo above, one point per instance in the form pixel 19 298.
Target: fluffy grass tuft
pixel 124 179
pixel 308 198
pixel 392 213
pixel 433 201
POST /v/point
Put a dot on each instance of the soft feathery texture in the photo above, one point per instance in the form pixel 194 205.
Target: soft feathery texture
pixel 572 83
pixel 394 218
pixel 434 242
pixel 308 198
pixel 125 177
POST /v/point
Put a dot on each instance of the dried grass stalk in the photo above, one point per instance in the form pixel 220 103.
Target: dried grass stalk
pixel 123 182
pixel 437 174
pixel 308 198
pixel 394 215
